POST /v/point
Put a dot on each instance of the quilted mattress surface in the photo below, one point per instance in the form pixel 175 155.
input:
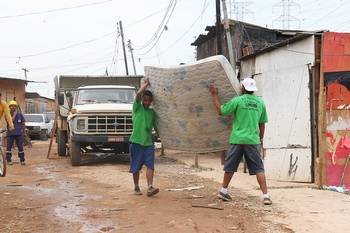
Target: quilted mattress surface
pixel 187 119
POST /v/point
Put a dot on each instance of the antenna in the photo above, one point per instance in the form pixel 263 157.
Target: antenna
pixel 286 19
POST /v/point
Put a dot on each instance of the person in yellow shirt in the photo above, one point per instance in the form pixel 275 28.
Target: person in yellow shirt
pixel 4 110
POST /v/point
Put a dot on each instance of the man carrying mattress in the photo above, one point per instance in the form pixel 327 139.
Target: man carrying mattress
pixel 142 147
pixel 247 135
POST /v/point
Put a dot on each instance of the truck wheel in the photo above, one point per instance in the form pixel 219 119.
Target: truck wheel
pixel 75 153
pixel 43 135
pixel 61 143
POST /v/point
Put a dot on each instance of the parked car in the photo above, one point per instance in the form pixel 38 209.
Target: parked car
pixel 50 116
pixel 38 125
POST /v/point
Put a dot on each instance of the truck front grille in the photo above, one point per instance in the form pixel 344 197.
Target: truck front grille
pixel 120 124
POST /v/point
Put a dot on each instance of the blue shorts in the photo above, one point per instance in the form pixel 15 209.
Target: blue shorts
pixel 141 155
pixel 252 157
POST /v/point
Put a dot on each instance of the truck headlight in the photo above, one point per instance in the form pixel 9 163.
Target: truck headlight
pixel 81 125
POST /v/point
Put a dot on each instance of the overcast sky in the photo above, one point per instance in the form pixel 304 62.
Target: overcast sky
pixel 52 37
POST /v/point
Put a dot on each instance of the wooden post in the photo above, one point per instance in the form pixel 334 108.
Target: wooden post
pixel 321 124
pixel 162 150
pixel 218 29
pixel 222 157
pixel 196 161
pixel 53 130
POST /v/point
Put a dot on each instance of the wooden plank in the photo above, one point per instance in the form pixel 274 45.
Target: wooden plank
pixel 209 206
pixel 321 123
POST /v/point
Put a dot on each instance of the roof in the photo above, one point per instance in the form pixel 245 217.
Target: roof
pixel 202 38
pixel 105 87
pixel 33 95
pixel 15 79
pixel 278 45
pixel 100 76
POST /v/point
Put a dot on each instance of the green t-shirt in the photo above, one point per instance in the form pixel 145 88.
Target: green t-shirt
pixel 143 121
pixel 249 111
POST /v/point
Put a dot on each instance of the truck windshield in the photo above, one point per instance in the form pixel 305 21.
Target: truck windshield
pixel 33 118
pixel 92 96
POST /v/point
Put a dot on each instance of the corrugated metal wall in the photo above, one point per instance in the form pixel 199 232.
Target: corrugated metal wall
pixel 283 78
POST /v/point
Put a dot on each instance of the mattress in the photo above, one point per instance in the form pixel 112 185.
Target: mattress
pixel 187 119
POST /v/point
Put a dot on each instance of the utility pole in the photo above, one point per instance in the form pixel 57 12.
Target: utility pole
pixel 218 29
pixel 25 73
pixel 131 50
pixel 228 37
pixel 122 35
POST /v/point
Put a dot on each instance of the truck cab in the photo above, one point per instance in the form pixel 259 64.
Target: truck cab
pixel 94 114
pixel 100 120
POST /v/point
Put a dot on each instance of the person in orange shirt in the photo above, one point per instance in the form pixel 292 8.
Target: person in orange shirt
pixel 4 110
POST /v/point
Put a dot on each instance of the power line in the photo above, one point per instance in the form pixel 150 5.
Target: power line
pixel 188 30
pixel 329 13
pixel 115 50
pixel 146 17
pixel 185 33
pixel 64 48
pixel 159 28
pixel 61 66
pixel 54 10
pixel 161 33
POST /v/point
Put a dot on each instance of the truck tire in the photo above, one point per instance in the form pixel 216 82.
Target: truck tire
pixel 43 135
pixel 61 143
pixel 75 153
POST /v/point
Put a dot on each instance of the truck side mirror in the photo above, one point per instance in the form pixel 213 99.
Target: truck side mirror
pixel 60 99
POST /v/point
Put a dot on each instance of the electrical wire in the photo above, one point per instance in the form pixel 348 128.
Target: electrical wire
pixel 113 64
pixel 329 13
pixel 188 30
pixel 54 10
pixel 64 48
pixel 146 17
pixel 159 28
pixel 183 34
pixel 161 33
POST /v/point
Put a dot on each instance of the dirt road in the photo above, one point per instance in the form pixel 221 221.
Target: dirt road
pixel 48 195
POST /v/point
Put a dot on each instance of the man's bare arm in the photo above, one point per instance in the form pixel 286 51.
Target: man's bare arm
pixel 214 91
pixel 142 90
pixel 262 131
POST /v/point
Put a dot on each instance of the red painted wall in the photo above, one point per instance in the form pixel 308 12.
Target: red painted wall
pixel 335 58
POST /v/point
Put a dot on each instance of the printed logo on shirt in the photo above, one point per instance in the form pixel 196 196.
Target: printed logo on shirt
pixel 251 105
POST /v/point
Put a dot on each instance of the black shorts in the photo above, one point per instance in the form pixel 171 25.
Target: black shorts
pixel 252 157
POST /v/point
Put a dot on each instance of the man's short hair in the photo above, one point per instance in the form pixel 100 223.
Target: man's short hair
pixel 148 93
